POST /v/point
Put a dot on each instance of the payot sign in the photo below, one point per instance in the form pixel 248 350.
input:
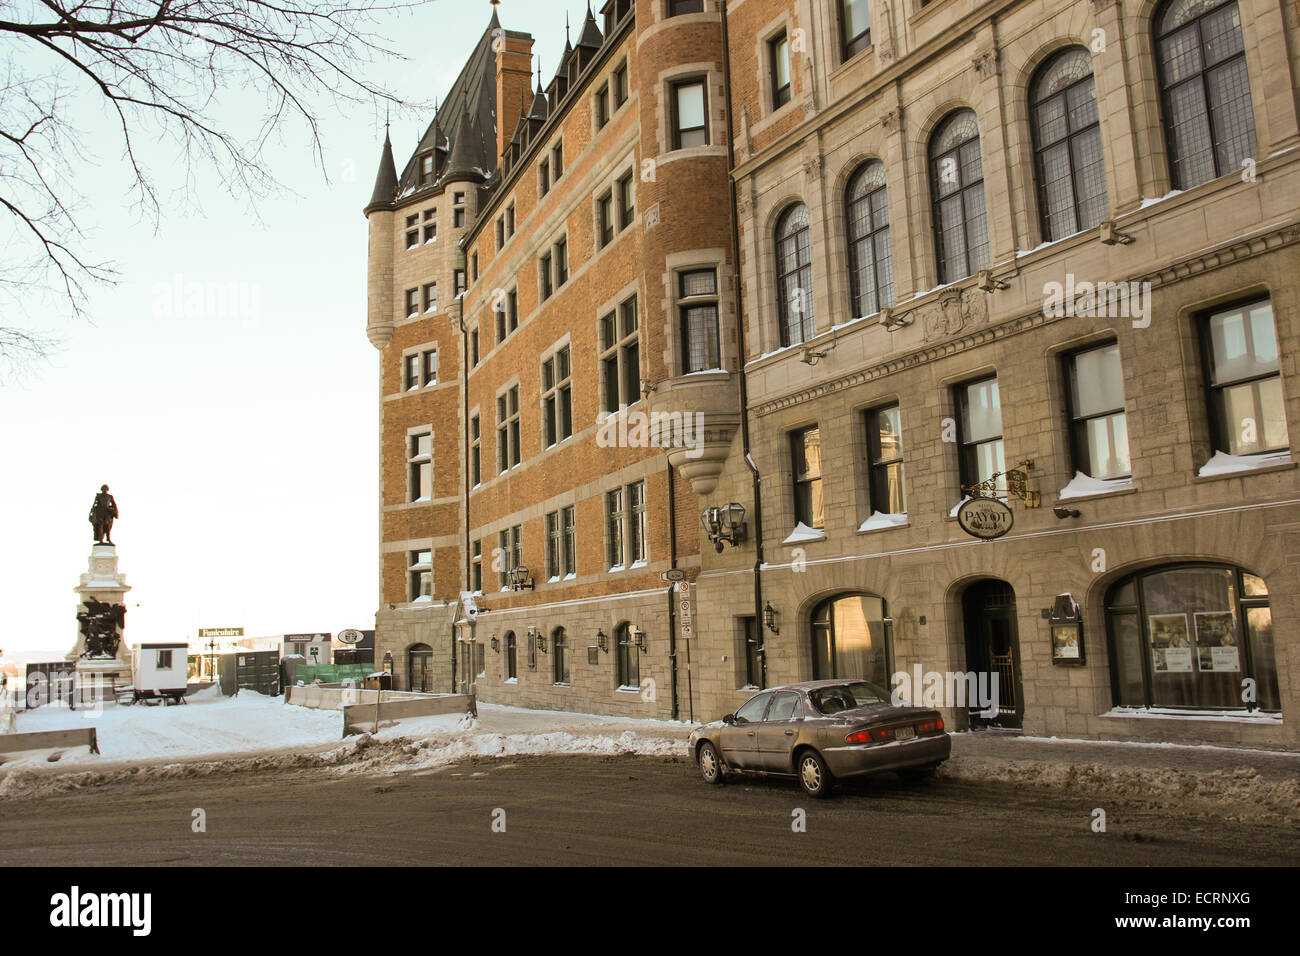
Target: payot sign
pixel 985 518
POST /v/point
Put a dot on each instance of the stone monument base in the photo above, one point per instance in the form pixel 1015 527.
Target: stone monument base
pixel 98 678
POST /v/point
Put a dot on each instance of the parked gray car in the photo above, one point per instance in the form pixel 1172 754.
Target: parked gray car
pixel 820 731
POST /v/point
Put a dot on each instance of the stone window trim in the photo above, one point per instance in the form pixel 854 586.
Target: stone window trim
pixel 763 50
pixel 689 260
pixel 609 189
pixel 509 427
pixel 1214 384
pixel 426 375
pixel 420 572
pixel 558 385
pixel 685 305
pixel 714 96
pixel 417 459
pixel 618 348
pixel 850 47
pixel 475 447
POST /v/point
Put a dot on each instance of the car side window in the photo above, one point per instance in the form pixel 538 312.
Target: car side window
pixel 783 707
pixel 753 708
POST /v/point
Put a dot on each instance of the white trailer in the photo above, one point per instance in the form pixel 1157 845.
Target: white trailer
pixel 160 671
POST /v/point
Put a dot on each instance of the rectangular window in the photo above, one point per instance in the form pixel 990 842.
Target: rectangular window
pixel 501 232
pixel 605 219
pixel 473 348
pixel 459 276
pixel 557 161
pixel 511 542
pixel 475 450
pixel 421 572
pixel 412 303
pixel 698 294
pixel 620 357
pixel 631 352
pixel 806 458
pixel 626 202
pixel 1098 426
pixel 636 524
pixel 473 267
pixel 431 297
pixel 426 169
pixel 602 107
pixel 476 568
pixel 885 460
pixel 690 115
pixel 778 51
pixel 163 660
pixel 1244 378
pixel 508 429
pixel 544 274
pixel 544 177
pixel 561 262
pixel 620 85
pixel 557 398
pixel 677 7
pixel 980 433
pixel 753 675
pixel 420 459
pixel 553 546
pixel 614 527
pixel 458 210
pixel 855 26
pixel 510 220
pixel 430 225
pixel 569 548
pixel 412 231
pixel 429 367
pixel 411 378
pixel 512 310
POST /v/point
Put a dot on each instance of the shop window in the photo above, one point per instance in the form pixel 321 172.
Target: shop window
pixel 1193 637
pixel 849 639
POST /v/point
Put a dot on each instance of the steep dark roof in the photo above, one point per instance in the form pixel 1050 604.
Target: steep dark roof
pixel 591 36
pixel 386 179
pixel 471 103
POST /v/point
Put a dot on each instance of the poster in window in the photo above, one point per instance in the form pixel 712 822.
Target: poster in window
pixel 1216 641
pixel 1171 645
pixel 1065 642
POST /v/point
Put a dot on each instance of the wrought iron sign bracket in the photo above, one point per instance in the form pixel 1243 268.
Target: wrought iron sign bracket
pixel 1017 481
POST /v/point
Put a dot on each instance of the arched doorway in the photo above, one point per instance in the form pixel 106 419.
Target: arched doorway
pixel 419 668
pixel 993 647
pixel 849 639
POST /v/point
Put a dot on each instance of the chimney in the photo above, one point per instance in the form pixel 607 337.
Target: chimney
pixel 514 83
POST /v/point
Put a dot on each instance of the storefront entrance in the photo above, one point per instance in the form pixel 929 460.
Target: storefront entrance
pixel 993 647
pixel 420 668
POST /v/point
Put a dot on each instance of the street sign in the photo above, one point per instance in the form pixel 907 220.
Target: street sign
pixel 350 635
pixel 221 632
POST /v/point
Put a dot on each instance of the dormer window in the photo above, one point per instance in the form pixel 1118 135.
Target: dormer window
pixel 426 169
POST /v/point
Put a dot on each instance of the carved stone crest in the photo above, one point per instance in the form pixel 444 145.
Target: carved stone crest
pixel 954 311
pixel 651 218
pixel 812 167
pixel 986 64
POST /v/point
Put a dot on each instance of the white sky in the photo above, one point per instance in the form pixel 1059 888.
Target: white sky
pixel 241 443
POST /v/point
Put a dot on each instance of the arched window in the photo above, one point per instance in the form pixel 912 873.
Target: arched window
pixel 871 270
pixel 1067 145
pixel 628 657
pixel 560 649
pixel 848 635
pixel 957 187
pixel 794 287
pixel 1190 636
pixel 1204 90
pixel 512 656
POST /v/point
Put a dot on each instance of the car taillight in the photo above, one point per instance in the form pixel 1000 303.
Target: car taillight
pixel 931 726
pixel 868 736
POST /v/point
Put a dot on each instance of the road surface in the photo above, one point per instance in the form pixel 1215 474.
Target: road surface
pixel 587 810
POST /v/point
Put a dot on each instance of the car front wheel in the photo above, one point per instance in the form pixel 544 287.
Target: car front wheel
pixel 813 775
pixel 710 764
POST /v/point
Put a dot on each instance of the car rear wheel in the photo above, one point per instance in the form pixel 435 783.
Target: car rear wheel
pixel 813 776
pixel 710 764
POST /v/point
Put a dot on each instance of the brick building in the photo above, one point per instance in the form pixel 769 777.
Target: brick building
pixel 1046 252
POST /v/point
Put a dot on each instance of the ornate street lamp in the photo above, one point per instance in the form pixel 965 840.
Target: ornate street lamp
pixel 724 525
pixel 518 578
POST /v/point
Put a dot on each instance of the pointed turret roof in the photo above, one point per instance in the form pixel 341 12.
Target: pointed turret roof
pixel 467 161
pixel 540 108
pixel 385 190
pixel 591 36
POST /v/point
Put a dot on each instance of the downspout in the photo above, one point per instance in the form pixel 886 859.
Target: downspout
pixel 743 380
pixel 464 394
pixel 672 601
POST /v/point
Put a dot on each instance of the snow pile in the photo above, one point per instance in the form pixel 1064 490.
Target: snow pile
pixel 1224 464
pixel 1083 485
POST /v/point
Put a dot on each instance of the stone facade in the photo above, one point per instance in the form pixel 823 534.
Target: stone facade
pixel 1218 242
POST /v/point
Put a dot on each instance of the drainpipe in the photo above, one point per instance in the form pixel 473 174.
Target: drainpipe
pixel 740 342
pixel 464 396
pixel 672 602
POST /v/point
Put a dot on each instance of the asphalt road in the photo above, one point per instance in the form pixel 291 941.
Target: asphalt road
pixel 601 811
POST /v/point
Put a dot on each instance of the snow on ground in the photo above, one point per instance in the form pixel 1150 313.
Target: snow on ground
pixel 252 724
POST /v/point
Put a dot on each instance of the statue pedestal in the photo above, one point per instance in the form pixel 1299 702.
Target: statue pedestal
pixel 101 584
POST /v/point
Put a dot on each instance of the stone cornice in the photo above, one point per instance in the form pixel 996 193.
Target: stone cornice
pixel 1227 253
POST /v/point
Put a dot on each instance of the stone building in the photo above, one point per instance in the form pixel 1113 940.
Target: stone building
pixel 1003 379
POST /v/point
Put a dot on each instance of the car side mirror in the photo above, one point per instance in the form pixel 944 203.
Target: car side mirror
pixel 729 719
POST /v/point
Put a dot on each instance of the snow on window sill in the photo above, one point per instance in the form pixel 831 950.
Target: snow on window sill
pixel 638 564
pixel 552 579
pixel 880 521
pixel 1085 486
pixel 570 576
pixel 1235 716
pixel 618 567
pixel 1224 464
pixel 802 532
pixel 511 680
pixel 626 689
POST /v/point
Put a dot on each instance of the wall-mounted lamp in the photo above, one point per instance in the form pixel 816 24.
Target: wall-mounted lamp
pixel 1063 512
pixel 894 322
pixel 602 640
pixel 1111 236
pixel 518 578
pixel 541 641
pixel 496 645
pixel 769 618
pixel 988 283
pixel 724 525
pixel 638 637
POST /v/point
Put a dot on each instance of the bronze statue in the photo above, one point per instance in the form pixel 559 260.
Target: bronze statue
pixel 100 623
pixel 102 513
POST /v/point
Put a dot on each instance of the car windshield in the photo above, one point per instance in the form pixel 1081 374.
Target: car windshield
pixel 839 697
